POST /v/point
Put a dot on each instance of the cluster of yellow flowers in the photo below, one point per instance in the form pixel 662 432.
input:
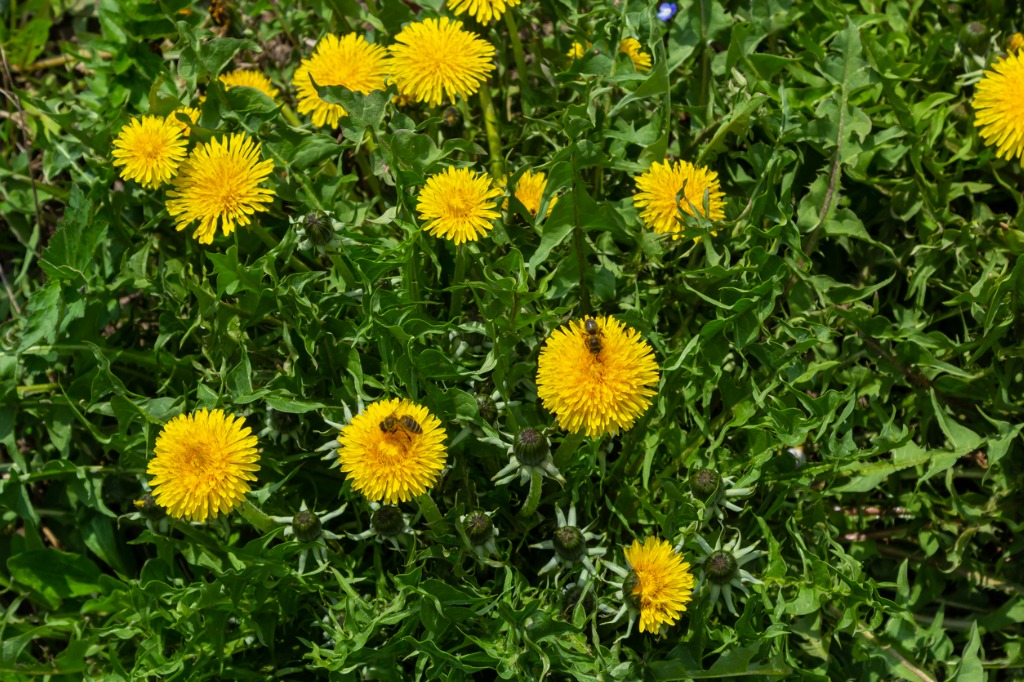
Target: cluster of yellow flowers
pixel 595 375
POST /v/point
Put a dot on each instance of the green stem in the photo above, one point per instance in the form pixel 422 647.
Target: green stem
pixel 577 239
pixel 256 518
pixel 517 52
pixel 460 274
pixel 371 179
pixel 493 136
pixel 35 388
pixel 566 450
pixel 533 499
pixel 290 116
pixel 431 513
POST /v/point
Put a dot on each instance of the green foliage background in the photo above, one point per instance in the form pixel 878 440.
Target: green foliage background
pixel 862 301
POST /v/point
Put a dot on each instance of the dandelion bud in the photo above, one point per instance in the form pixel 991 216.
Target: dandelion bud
pixel 973 37
pixel 486 407
pixel 387 521
pixel 531 447
pixel 704 483
pixel 720 567
pixel 569 543
pixel 306 526
pixel 629 589
pixel 318 228
pixel 479 528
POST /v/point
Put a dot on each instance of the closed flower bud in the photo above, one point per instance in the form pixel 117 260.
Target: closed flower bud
pixel 720 567
pixel 306 526
pixel 629 586
pixel 974 37
pixel 704 483
pixel 318 228
pixel 479 528
pixel 569 543
pixel 531 447
pixel 486 407
pixel 387 521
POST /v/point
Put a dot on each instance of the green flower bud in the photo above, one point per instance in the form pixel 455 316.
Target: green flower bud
pixel 479 528
pixel 720 567
pixel 306 526
pixel 974 37
pixel 387 521
pixel 569 543
pixel 318 227
pixel 531 447
pixel 705 483
pixel 486 407
pixel 629 585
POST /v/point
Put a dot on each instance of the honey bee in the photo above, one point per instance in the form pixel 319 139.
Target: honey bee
pixel 401 424
pixel 593 337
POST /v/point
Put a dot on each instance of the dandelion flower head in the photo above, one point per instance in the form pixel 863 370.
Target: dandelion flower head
pixel 1015 42
pixel 219 183
pixel 203 464
pixel 667 188
pixel 484 11
pixel 349 61
pixel 641 59
pixel 458 204
pixel 149 149
pixel 435 58
pixel 597 383
pixel 662 585
pixel 530 191
pixel 384 455
pixel 999 106
pixel 250 79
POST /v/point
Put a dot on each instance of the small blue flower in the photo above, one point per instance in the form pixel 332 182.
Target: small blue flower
pixel 667 10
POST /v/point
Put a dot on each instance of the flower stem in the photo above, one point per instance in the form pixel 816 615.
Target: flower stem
pixel 289 115
pixel 577 238
pixel 460 274
pixel 431 513
pixel 533 499
pixel 493 136
pixel 566 450
pixel 256 518
pixel 517 52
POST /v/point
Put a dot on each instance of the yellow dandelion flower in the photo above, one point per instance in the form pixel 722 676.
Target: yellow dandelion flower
pixel 596 380
pixel 392 451
pixel 632 48
pixel 250 79
pixel 1015 42
pixel 458 204
pixel 530 191
pixel 483 11
pixel 999 103
pixel 578 50
pixel 150 150
pixel 203 464
pixel 436 57
pixel 219 182
pixel 191 113
pixel 665 189
pixel 349 61
pixel 660 585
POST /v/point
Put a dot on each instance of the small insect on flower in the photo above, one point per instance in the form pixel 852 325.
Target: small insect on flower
pixel 593 335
